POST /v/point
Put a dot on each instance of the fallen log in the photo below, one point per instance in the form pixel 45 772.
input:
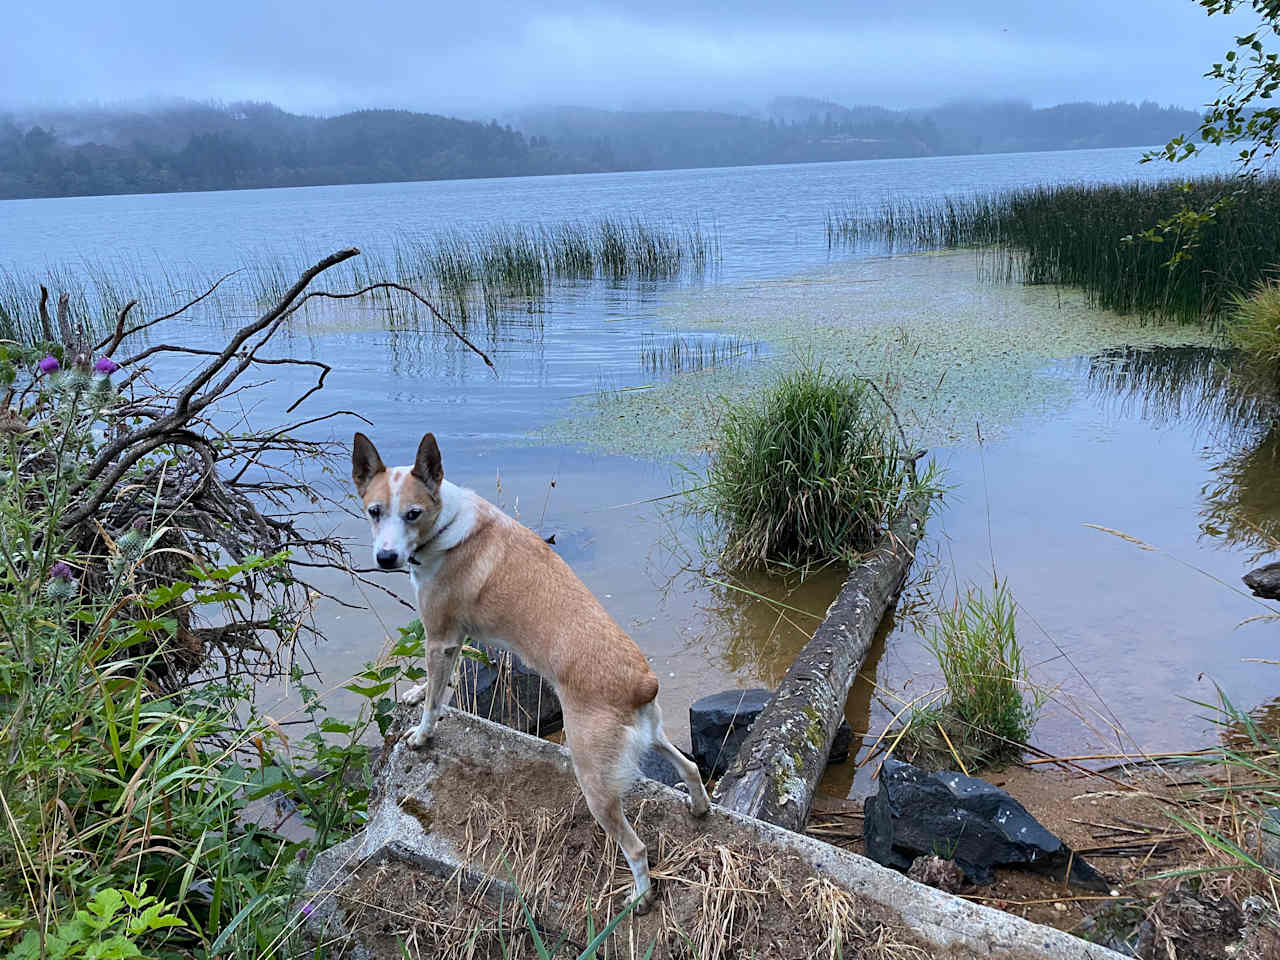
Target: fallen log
pixel 782 759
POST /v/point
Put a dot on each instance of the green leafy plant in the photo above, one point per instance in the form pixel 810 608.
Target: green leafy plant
pixel 107 928
pixel 121 777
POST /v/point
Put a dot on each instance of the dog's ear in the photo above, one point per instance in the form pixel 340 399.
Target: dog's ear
pixel 427 466
pixel 365 463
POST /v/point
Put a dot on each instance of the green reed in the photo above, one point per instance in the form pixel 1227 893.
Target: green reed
pixel 1092 236
pixel 809 474
pixel 686 354
pixel 496 271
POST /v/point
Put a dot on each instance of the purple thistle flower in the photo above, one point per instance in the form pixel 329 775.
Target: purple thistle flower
pixel 50 365
pixel 307 908
pixel 106 366
pixel 61 571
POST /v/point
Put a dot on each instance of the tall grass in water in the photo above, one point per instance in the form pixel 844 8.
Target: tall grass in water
pixel 810 475
pixel 988 708
pixel 683 354
pixel 1091 236
pixel 96 294
pixel 1254 322
pixel 508 265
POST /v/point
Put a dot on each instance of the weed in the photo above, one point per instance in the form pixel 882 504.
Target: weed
pixel 810 475
pixel 1254 322
pixel 988 709
pixel 1102 238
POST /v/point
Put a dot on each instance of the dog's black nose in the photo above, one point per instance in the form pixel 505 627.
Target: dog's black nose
pixel 387 559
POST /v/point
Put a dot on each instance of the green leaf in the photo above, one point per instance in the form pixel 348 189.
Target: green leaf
pixel 374 690
pixel 117 947
pixel 229 930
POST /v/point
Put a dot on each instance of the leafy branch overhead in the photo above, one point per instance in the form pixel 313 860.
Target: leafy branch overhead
pixel 1248 74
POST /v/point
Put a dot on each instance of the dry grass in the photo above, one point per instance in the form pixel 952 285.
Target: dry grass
pixel 717 900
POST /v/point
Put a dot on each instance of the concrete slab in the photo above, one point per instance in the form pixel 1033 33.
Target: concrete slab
pixel 423 797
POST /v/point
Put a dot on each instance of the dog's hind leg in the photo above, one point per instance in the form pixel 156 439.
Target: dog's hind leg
pixel 601 763
pixel 651 715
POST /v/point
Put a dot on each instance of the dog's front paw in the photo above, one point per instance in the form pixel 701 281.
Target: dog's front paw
pixel 414 695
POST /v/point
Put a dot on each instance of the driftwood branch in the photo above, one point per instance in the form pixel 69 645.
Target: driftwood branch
pixel 780 762
pixel 171 464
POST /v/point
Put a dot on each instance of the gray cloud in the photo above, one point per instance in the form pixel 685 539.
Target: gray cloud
pixel 483 57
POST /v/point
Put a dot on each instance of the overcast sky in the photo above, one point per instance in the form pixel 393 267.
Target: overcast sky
pixel 483 57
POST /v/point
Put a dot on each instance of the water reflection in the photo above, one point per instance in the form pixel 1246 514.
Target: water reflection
pixel 1233 403
pixel 1196 386
pixel 1242 498
pixel 756 625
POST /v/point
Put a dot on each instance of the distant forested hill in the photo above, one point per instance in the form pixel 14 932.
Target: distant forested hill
pixel 193 147
pixel 188 146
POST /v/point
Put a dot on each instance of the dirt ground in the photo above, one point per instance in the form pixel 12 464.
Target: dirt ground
pixel 1122 824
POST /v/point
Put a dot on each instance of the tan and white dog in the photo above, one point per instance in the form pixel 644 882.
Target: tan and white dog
pixel 481 575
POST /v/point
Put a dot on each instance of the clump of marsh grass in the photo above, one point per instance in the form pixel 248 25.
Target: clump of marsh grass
pixel 809 475
pixel 989 707
pixel 1253 324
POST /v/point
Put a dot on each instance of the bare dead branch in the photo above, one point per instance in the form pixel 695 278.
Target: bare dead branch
pixel 391 285
pixel 116 339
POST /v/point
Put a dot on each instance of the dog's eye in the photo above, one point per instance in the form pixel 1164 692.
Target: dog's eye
pixel 413 513
pixel 375 512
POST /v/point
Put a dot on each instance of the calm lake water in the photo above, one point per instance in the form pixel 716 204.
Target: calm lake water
pixel 1120 635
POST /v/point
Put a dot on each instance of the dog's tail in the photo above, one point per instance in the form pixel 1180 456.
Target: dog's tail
pixel 646 689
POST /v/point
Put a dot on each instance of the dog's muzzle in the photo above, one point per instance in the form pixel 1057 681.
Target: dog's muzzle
pixel 388 559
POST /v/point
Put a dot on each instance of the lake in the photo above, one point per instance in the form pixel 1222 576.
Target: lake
pixel 580 433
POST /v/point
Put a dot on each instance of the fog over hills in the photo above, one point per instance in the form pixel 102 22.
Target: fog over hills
pixel 185 145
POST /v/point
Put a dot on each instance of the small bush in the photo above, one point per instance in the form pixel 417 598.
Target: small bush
pixel 986 715
pixel 1254 324
pixel 811 475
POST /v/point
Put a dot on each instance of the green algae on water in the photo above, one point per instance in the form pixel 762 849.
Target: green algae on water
pixel 960 351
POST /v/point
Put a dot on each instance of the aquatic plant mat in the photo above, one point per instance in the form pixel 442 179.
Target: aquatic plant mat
pixel 956 347
pixel 487 821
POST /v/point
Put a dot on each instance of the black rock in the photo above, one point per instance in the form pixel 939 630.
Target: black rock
pixel 507 692
pixel 656 766
pixel 841 743
pixel 970 821
pixel 1265 581
pixel 718 725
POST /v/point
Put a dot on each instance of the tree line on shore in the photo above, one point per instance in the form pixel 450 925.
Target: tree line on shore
pixel 192 146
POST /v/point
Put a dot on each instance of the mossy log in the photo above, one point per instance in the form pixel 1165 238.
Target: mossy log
pixel 782 759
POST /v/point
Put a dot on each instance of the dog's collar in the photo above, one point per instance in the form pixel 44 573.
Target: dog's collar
pixel 413 557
